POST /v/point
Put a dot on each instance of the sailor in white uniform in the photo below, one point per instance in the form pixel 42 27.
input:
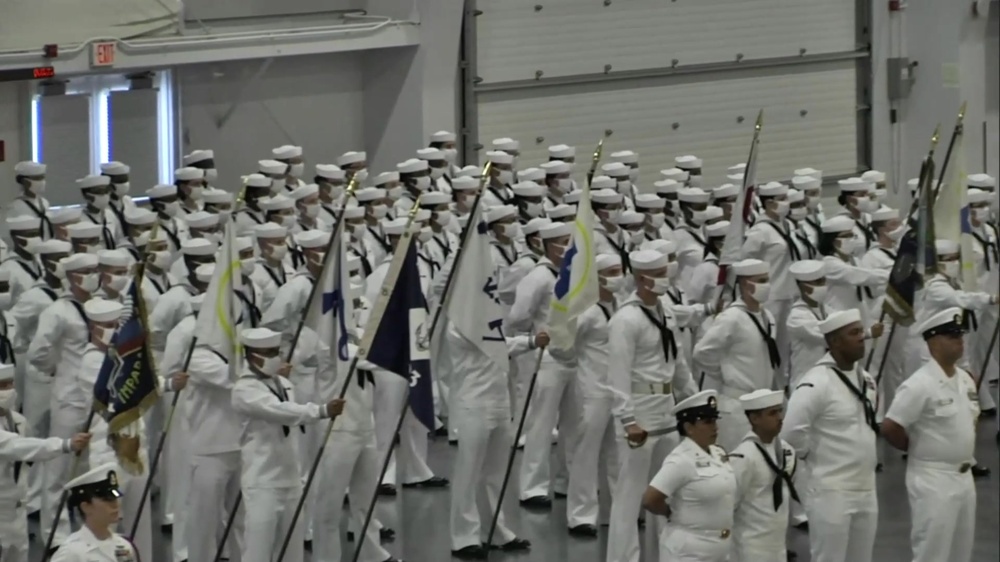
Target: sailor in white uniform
pixel 851 286
pixel 257 187
pixel 933 420
pixel 807 343
pixel 203 160
pixel 856 201
pixel 30 177
pixel 331 182
pixel 291 157
pixel 987 254
pixel 120 186
pixel 163 200
pixel 688 234
pixel 619 173
pixel 276 172
pixel 97 200
pixel 668 189
pixel 692 165
pixel 501 179
pixel 703 280
pixel 695 489
pixel 307 208
pixel 94 499
pixel 353 163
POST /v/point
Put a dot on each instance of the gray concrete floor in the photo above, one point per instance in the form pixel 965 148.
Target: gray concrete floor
pixel 421 519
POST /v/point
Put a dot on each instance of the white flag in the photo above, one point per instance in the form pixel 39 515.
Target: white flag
pixel 576 287
pixel 218 318
pixel 330 313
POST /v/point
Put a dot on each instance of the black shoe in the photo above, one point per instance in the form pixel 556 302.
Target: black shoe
pixel 350 536
pixel 432 482
pixel 453 442
pixel 386 490
pixel 308 545
pixel 642 523
pixel 991 413
pixel 879 467
pixel 537 502
pixel 559 495
pixel 792 555
pixel 441 432
pixel 980 472
pixel 393 559
pixel 514 545
pixel 586 530
pixel 472 552
pixel 35 515
pixel 385 534
pixel 803 526
pixel 52 551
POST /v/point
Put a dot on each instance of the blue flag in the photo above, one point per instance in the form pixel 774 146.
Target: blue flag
pixel 401 341
pixel 127 385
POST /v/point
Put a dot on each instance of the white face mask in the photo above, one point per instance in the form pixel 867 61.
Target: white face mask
pixel 818 293
pixel 161 259
pixel 195 193
pixel 761 292
pixel 613 283
pixel 122 188
pixel 505 176
pixel 450 154
pixel 533 210
pixel 425 234
pixel 798 213
pixel 565 185
pixel 172 209
pixel 296 170
pixel 437 173
pixel 379 211
pixel 248 265
pixel 288 221
pixel 8 399
pixel 422 183
pixel 37 187
pixel 611 215
pixel 211 174
pixel 847 245
pixel 5 301
pixel 633 174
pixel 28 242
pixel 100 202
pixel 270 366
pixel 278 252
pixel 781 209
pixel 655 220
pixel 981 214
pixel 442 218
pixel 866 205
pixel 117 283
pixel 335 191
pixel 277 185
pixel 89 282
pixel 897 233
pixel 395 193
pixel 311 210
pixel 357 230
pixel 950 269
pixel 660 285
pixel 510 230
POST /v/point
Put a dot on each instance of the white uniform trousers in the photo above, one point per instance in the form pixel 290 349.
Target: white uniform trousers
pixel 268 517
pixel 943 508
pixel 638 466
pixel 780 309
pixel 760 553
pixel 977 343
pixel 802 479
pixel 215 485
pixel 441 369
pixel 842 525
pixel 411 454
pixel 894 372
pixel 131 488
pixel 308 446
pixel 678 544
pixel 35 406
pixel 66 421
pixel 596 446
pixel 555 398
pixel 177 456
pixel 350 465
pixel 485 436
pixel 733 423
pixel 13 531
pixel 522 369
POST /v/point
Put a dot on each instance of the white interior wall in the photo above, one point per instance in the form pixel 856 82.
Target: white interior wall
pixel 34 24
pixel 14 124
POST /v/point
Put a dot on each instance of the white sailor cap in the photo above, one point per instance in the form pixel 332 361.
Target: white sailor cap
pixel 692 195
pixel 189 174
pixel 648 260
pixel 717 229
pixel 164 190
pixel 628 218
pixel 348 158
pixel 561 211
pixel 260 338
pixel 470 171
pixel 725 191
pixel 115 169
pixel 205 272
pixel 198 247
pixel 851 185
pixel 603 182
pixel 434 198
pixel 311 239
pixel 607 261
pixel 243 243
pixel 885 214
pixel 807 270
pixel 945 247
pixel 762 399
pixel 553 167
pixel 83 230
pixel 737 168
pixel 114 258
pixel 384 177
pixel 913 184
pixel 736 178
pixel 773 189
pixel 666 187
pixel 102 310
pixel 53 246
pixel 270 230
pixel 499 157
pixel 713 212
pixel 217 196
pixel 27 223
pixel 949 322
pixel 665 247
pixel 330 171
pixel 29 169
pixel 750 267
pixel 201 219
pixel 257 180
pixel 839 223
pixel 395 227
pixel 533 174
pixel 981 180
pixel 464 184
pixel 974 196
pixel 573 197
pixel 274 167
pixel 276 203
pixel 101 482
pixel 675 174
pixel 423 215
pixel 198 156
pixel 606 196
pixel 701 406
pixel 688 162
pixel 838 320
pixel 412 166
pixel 430 154
pixel 65 215
pixel 77 262
pixel 562 151
pixel 506 144
pixel 354 212
pixel 286 152
pixel 528 189
pixel 443 136
pixel 7 372
pixel 87 182
pixel 625 157
pixel 303 191
pixel 534 225
pixel 554 230
pixel 806 182
pixel 615 169
pixel 873 176
pixel 366 194
pixel 649 201
pixel 138 216
pixel 499 213
pixel 811 172
pixel 795 196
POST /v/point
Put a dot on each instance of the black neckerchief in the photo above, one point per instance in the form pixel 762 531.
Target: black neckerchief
pixel 989 249
pixel 298 260
pixel 445 246
pixel 677 298
pixel 282 397
pixel 814 224
pixel 274 276
pixel 430 262
pixel 862 292
pixel 772 346
pixel 6 348
pixel 604 310
pixel 42 216
pixel 626 264
pixel 793 250
pixel 35 276
pixel 250 307
pixel 159 288
pixel 691 230
pixel 781 477
pixel 811 251
pixel 504 200
pixel 79 309
pixel 861 396
pixel 172 234
pixel 667 342
pixel 365 375
pixel 109 240
pixel 253 215
pixel 889 253
pixel 510 260
pixel 382 241
pixel 366 264
pixel 869 237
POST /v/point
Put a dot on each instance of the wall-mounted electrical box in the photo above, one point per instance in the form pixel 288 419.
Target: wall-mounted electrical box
pixel 900 77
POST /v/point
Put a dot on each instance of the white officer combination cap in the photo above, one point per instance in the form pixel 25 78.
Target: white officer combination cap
pixel 257 180
pixel 675 174
pixel 750 267
pixel 852 185
pixel 648 260
pixel 628 218
pixel 603 182
pixel 260 338
pixel 395 227
pixel 198 156
pixel 649 201
pixel 201 219
pixel 666 187
pixel 29 169
pixel 527 189
pixel 366 194
pixel 204 272
pixel 981 180
pixel 217 196
pixel 607 261
pixel 615 169
pixel 811 172
pixel 726 190
pixel 166 190
pixel 553 167
pixel 77 262
pixel 506 143
pixel 286 152
pixel 102 310
pixel 189 174
pixel 434 198
pixel 687 162
pixel 665 247
pixel 703 405
pixel 693 195
pixel 312 239
pixel 561 212
pixel 762 399
pixel 625 156
pixel 198 247
pixel 83 230
pixel 115 169
pixel 16 224
pixel 270 230
pixel 465 183
pixel 412 166
pixel 53 246
pixel 806 183
pixel 331 172
pixel 974 196
pixel 554 230
pixel 573 197
pixel 430 154
pixel 272 167
pixel 534 225
pixel 499 157
pixel 7 372
pixel 114 258
pixel 839 223
pixel 807 270
pixel 885 214
pixel 470 171
pixel 277 202
pixel 717 229
pixel 303 191
pixel 348 158
pixel 101 482
pixel 838 320
pixel 873 176
pixel 773 189
pixel 64 215
pixel 499 213
pixel 949 322
pixel 87 182
pixel 946 247
pixel 562 151
pixel 354 212
pixel 443 136
pixel 606 196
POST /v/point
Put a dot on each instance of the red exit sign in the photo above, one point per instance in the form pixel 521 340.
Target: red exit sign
pixel 103 53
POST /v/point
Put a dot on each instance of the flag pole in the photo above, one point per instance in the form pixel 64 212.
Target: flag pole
pixel 955 134
pixel 596 159
pixel 989 353
pixel 513 452
pixel 65 496
pixel 370 330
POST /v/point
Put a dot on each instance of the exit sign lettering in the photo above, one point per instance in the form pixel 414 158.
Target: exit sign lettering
pixel 103 54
